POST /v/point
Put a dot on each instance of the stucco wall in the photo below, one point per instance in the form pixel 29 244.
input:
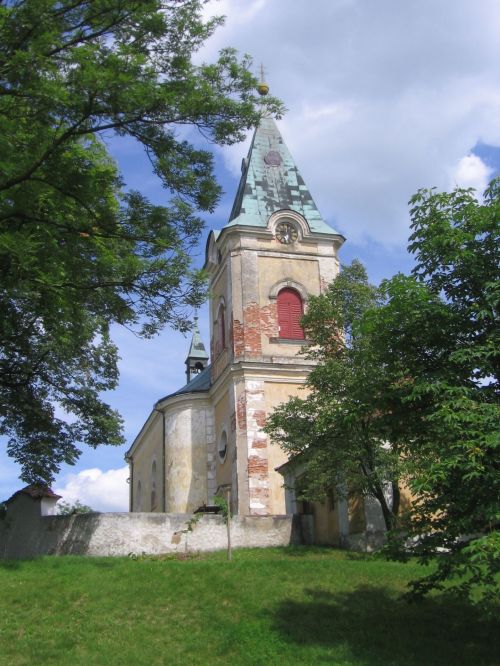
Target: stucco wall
pixel 222 421
pixel 122 534
pixel 186 435
pixel 151 450
pixel 277 393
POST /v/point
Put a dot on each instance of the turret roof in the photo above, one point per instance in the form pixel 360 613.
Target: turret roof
pixel 197 348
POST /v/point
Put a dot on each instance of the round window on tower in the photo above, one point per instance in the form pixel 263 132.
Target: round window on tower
pixel 223 446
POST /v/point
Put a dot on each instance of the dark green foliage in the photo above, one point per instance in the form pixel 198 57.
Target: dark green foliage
pixel 77 252
pixel 415 363
pixel 221 502
pixel 438 338
pixel 336 429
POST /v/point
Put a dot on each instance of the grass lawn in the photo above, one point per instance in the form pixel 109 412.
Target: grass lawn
pixel 274 606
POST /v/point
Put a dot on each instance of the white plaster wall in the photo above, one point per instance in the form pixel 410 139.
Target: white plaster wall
pixel 149 449
pixel 186 428
pixel 122 534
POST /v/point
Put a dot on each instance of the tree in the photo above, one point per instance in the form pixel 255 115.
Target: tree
pixel 415 364
pixel 71 509
pixel 337 431
pixel 437 337
pixel 78 252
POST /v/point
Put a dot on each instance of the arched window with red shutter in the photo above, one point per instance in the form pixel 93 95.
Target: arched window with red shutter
pixel 290 311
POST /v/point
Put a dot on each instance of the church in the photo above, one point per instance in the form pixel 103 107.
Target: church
pixel 274 252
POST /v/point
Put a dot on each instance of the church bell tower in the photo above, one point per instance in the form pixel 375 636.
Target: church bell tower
pixel 272 255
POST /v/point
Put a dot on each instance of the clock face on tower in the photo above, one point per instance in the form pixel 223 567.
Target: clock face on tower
pixel 286 232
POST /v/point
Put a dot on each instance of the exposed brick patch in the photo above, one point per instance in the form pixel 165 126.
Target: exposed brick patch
pixel 251 318
pixel 238 337
pixel 259 416
pixel 246 338
pixel 260 496
pixel 269 320
pixel 257 466
pixel 250 417
pixel 241 412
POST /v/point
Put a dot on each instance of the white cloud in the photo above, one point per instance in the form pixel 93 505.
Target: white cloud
pixel 241 11
pixel 102 491
pixel 382 100
pixel 471 171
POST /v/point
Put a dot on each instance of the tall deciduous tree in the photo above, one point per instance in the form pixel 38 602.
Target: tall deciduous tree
pixel 437 338
pixel 77 252
pixel 416 364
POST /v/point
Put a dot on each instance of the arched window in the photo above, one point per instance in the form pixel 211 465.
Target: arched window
pixel 290 311
pixel 220 329
pixel 153 486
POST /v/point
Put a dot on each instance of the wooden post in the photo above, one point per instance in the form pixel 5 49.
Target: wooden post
pixel 228 524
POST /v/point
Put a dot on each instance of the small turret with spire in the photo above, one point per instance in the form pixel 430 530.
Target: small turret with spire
pixel 197 358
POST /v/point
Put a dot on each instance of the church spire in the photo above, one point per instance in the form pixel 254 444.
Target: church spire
pixel 197 357
pixel 271 181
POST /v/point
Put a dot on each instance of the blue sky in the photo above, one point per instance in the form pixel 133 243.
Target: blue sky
pixel 383 98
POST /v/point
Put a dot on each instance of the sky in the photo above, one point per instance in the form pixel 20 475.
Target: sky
pixel 383 98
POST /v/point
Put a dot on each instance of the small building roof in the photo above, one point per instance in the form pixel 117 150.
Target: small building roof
pixel 35 491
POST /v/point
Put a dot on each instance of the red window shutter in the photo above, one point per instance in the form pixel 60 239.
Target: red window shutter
pixel 284 321
pixel 290 311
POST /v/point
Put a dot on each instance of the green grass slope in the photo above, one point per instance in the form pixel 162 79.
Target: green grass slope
pixel 275 606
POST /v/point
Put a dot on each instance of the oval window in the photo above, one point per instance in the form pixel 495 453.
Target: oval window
pixel 223 446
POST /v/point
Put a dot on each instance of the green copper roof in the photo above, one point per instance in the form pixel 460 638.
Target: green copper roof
pixel 271 181
pixel 197 349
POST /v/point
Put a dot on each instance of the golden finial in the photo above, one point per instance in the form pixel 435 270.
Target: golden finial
pixel 262 87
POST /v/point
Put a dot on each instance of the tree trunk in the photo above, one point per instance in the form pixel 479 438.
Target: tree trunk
pixel 378 493
pixel 396 499
pixel 386 512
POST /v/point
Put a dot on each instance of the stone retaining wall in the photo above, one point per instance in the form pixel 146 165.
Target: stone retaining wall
pixel 26 535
